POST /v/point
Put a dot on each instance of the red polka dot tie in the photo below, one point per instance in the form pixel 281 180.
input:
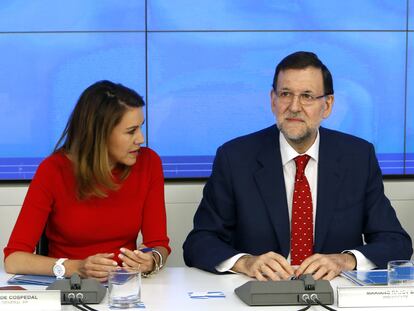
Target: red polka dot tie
pixel 301 243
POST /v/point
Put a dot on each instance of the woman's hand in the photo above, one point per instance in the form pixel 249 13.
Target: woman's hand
pixel 137 259
pixel 98 266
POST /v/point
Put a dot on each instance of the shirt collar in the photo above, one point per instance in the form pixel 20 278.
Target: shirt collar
pixel 288 153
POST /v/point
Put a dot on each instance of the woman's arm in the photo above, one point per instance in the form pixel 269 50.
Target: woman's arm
pixel 30 224
pixel 164 253
pixel 28 263
pixel 97 266
pixel 154 218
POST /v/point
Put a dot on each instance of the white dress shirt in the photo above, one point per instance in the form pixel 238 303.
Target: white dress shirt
pixel 288 154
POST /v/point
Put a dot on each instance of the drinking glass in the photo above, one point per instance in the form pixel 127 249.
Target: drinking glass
pixel 401 272
pixel 124 289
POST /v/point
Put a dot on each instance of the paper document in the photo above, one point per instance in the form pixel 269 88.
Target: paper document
pixel 369 277
pixel 32 279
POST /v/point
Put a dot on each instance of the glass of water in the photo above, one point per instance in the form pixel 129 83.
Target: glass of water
pixel 401 272
pixel 124 289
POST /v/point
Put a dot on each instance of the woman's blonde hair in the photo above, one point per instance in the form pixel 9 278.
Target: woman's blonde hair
pixel 85 138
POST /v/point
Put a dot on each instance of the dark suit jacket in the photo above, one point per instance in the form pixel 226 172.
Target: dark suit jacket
pixel 244 205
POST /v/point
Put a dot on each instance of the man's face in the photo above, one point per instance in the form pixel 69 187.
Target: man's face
pixel 297 117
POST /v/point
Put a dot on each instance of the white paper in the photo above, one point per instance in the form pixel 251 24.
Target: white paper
pixel 30 300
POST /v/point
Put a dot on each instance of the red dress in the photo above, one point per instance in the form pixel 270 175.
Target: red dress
pixel 78 229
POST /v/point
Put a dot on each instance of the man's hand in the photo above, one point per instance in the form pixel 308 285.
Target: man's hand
pixel 97 266
pixel 326 267
pixel 264 267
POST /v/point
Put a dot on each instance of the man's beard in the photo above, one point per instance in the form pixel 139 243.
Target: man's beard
pixel 297 140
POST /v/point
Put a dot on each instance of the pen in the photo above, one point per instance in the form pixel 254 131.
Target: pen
pixel 146 249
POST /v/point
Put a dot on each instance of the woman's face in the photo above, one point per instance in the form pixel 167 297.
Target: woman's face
pixel 126 138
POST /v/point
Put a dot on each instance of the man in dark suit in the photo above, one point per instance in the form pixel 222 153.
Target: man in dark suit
pixel 296 198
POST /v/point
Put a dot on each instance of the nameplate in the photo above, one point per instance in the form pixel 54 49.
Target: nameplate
pixel 24 300
pixel 375 296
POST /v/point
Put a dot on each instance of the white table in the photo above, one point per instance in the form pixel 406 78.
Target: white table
pixel 169 289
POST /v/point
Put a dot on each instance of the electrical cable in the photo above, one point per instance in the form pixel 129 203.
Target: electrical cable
pixel 315 298
pixel 305 298
pixel 306 308
pixel 74 303
pixel 87 307
pixel 78 307
pixel 79 304
pixel 84 305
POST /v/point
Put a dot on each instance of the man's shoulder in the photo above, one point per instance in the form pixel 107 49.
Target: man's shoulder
pixel 252 140
pixel 342 138
pixel 345 140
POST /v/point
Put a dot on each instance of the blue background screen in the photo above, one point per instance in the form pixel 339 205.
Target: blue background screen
pixel 205 69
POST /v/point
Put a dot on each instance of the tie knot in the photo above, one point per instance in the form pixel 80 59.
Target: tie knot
pixel 301 162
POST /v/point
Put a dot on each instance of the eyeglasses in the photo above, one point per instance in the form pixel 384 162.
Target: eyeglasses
pixel 304 98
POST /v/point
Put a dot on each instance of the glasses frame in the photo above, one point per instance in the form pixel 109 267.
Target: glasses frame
pixel 303 102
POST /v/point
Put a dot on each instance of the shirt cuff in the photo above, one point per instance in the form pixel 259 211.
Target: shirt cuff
pixel 226 265
pixel 362 262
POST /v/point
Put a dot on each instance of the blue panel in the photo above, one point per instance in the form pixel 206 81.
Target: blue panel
pixel 43 76
pixel 277 15
pixel 205 88
pixel 199 100
pixel 74 15
pixel 410 106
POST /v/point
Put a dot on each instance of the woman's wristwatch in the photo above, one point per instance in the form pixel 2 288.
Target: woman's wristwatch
pixel 59 269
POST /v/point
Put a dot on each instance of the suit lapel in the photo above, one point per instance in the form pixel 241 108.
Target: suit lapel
pixel 329 180
pixel 271 184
